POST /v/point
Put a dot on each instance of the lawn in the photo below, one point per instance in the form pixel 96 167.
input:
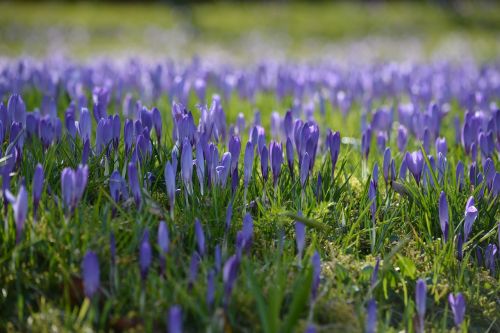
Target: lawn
pixel 169 193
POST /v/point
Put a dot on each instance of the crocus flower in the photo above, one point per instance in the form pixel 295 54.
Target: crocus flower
pixel 229 215
pixel 175 319
pixel 85 124
pixel 73 183
pixel 90 274
pixel 193 269
pixel 210 287
pixel 264 163
pixel 441 146
pixel 248 162
pixel 117 187
pixel 135 187
pixel 402 138
pixel 415 163
pixel 316 267
pixel 128 135
pixel 386 164
pixel 304 169
pixel 460 246
pixel 276 153
pixel 20 206
pixel 229 275
pixel 490 255
pixel 426 141
pixel 471 214
pixel 17 109
pixel 457 305
pixel 420 300
pixel 38 180
pixel 381 141
pixel 333 143
pixel 375 175
pixel 234 147
pixel 300 237
pixel 163 238
pixel 372 196
pixel 200 166
pixel 459 175
pixel 245 236
pixel 371 316
pixel 157 123
pixel 170 184
pixel 289 155
pixel 200 237
pixel 145 255
pixel 374 277
pixel 443 215
pixel 365 142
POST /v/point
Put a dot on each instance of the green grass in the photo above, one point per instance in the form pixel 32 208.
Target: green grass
pixel 89 28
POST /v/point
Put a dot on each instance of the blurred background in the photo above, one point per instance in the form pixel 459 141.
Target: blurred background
pixel 251 31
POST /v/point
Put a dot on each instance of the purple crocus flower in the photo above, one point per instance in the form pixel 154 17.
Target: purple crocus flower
pixel 128 135
pixel 276 153
pixel 248 162
pixel 426 141
pixel 374 277
pixel 415 163
pixel 316 274
pixel 170 184
pixel 210 288
pixel 289 155
pixel 145 255
pixel 175 319
pixel 420 300
pixel 116 125
pixel 304 169
pixel 372 196
pixel 457 305
pixel 443 215
pixel 20 206
pixel 90 274
pixel 402 138
pixel 471 214
pixel 200 166
pixel 403 168
pixel 300 237
pixel 459 175
pixel 187 166
pixel 371 316
pixel 157 123
pixel 229 275
pixel 163 238
pixel 17 109
pixel 386 164
pixel 333 143
pixel 460 246
pixel 381 141
pixel 229 215
pixel 117 187
pixel 37 187
pixel 200 237
pixel 85 124
pixel 234 147
pixel 73 183
pixel 193 269
pixel 490 255
pixel 264 163
pixel 135 187
pixel 441 146
pixel 365 142
pixel 245 236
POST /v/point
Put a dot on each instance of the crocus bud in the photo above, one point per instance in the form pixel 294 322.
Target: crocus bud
pixel 175 319
pixel 170 184
pixel 420 300
pixel 163 238
pixel 229 275
pixel 248 162
pixel 289 155
pixel 386 164
pixel 316 274
pixel 234 147
pixel 304 169
pixel 90 274
pixel 157 123
pixel 300 237
pixel 85 124
pixel 276 152
pixel 38 180
pixel 441 146
pixel 471 214
pixel 200 237
pixel 187 166
pixel 402 138
pixel 145 255
pixel 135 187
pixel 457 305
pixel 443 215
pixel 264 162
pixel 415 163
pixel 371 316
pixel 20 206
